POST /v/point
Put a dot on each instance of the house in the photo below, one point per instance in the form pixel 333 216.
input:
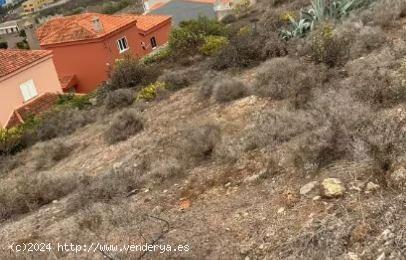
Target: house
pixel 9 27
pixel 86 46
pixel 28 85
pixel 181 10
pixel 32 6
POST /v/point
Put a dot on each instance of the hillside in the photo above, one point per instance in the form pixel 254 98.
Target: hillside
pixel 247 144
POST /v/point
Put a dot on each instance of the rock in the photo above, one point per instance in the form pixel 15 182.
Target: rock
pixel 352 256
pixel 381 256
pixel 117 166
pixel 281 210
pixel 371 187
pixel 251 178
pixel 316 198
pixel 305 189
pixel 227 184
pixel 398 177
pixel 332 188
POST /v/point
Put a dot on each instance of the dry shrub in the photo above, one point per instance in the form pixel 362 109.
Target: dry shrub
pixel 63 122
pixel 29 190
pixel 245 50
pixel 283 78
pixel 385 13
pixel 178 79
pixel 164 169
pixel 361 39
pixel 374 79
pixel 48 154
pixel 124 125
pixel 129 72
pixel 339 119
pixel 366 40
pixel 116 183
pixel 229 89
pixel 9 163
pixel 119 98
pixel 272 128
pixel 197 144
pixel 207 83
pixel 386 139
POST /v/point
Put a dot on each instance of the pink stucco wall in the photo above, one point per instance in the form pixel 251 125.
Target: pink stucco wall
pixel 43 74
pixel 91 61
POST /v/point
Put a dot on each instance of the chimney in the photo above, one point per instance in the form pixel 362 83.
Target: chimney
pixel 97 25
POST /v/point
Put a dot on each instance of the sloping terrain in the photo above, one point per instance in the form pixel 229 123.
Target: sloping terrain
pixel 298 159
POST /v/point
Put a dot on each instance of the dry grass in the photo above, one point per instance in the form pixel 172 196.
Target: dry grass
pixel 124 125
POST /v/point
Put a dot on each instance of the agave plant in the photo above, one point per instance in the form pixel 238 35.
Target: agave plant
pixel 322 10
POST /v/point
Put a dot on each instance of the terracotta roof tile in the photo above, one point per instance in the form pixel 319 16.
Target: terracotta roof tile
pixel 80 27
pixel 35 107
pixel 13 60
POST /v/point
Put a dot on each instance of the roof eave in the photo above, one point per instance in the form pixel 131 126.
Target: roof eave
pixel 5 77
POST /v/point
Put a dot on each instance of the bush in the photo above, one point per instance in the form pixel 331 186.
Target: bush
pixel 283 78
pixel 178 79
pixel 228 89
pixel 28 191
pixel 207 83
pixel 385 13
pixel 123 126
pixel 189 36
pixel 247 50
pixel 48 154
pixel 198 143
pixel 10 140
pixel 213 44
pixel 151 91
pixel 119 98
pixel 3 45
pixel 129 72
pixel 157 56
pixel 327 48
pixel 62 122
pixel 74 101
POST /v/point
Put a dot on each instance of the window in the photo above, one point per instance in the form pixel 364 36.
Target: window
pixel 153 43
pixel 28 90
pixel 122 44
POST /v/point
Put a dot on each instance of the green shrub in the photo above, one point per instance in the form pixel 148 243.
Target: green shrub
pixel 157 56
pixel 151 91
pixel 243 51
pixel 189 36
pixel 114 7
pixel 3 45
pixel 123 126
pixel 129 72
pixel 10 140
pixel 213 44
pixel 74 101
pixel 327 48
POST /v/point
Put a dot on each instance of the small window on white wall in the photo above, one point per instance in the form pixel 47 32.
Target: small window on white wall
pixel 122 44
pixel 28 90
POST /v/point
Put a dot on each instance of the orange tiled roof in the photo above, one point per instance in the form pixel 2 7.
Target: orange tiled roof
pixel 80 27
pixel 13 60
pixel 34 107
